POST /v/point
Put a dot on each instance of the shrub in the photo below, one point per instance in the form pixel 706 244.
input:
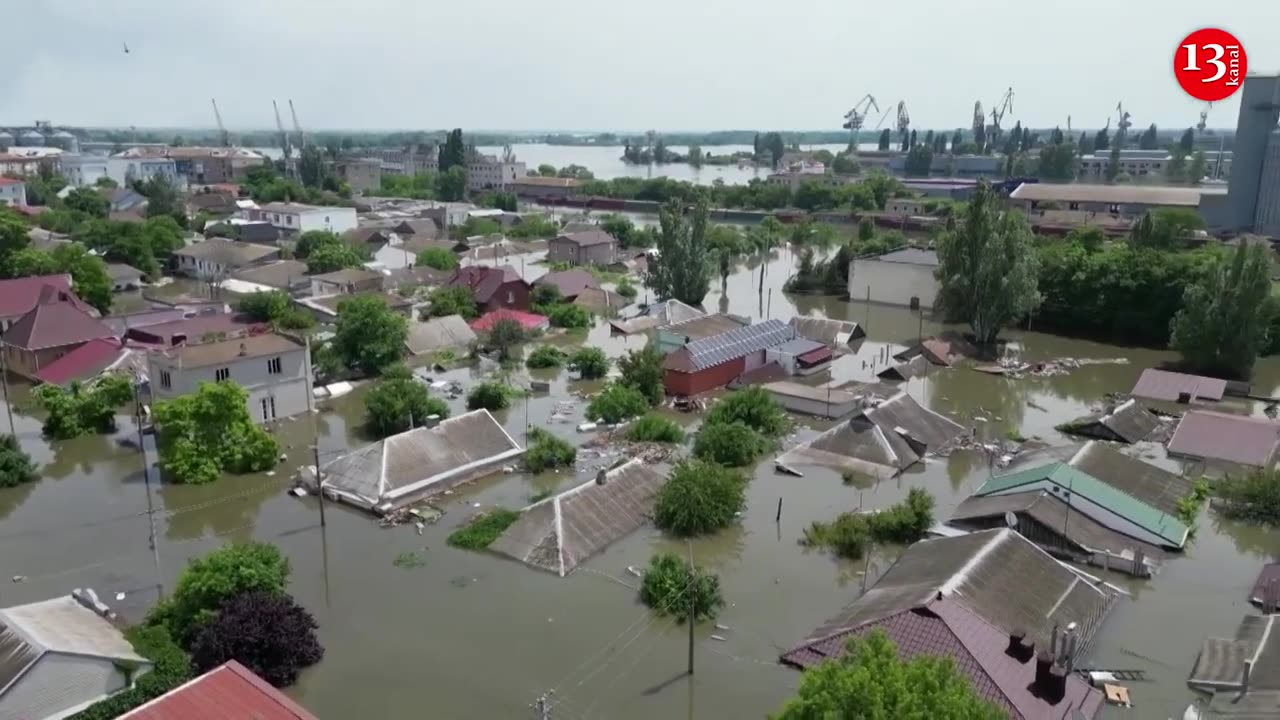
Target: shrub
pixel 544 296
pixel 83 408
pixel 730 444
pixel 452 301
pixel 398 402
pixel 490 396
pixel 505 335
pixel 699 498
pixel 591 363
pixel 211 580
pixel 671 586
pixel 16 467
pixel 266 632
pixel 545 356
pixel 616 403
pixel 642 370
pixel 171 668
pixel 265 306
pixel 569 316
pixel 850 533
pixel 753 407
pixel 1254 497
pixel 547 452
pixel 480 532
pixel 200 436
pixel 654 428
pixel 626 289
pixel 1188 506
pixel 438 258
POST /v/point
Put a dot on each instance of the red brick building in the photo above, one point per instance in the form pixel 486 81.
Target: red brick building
pixel 493 288
pixel 712 362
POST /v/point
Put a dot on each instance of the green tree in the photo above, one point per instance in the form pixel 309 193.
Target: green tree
pixel 919 160
pixel 1176 169
pixel 729 444
pixel 210 581
pixel 568 315
pixel 452 300
pixel 1196 170
pixel 548 452
pixel 163 199
pixel 957 139
pixel 489 396
pixel 333 257
pixel 845 164
pixel 1085 143
pixel 655 428
pixel 1113 163
pixel 311 168
pixel 671 586
pixel 546 356
pixel 616 403
pixel 438 258
pixel 88 201
pixel 504 336
pixel 546 170
pixel 312 240
pixel 886 138
pixel 775 146
pixel 1253 497
pixel 695 156
pixel 699 498
pixel 452 183
pixel 1187 143
pixel 987 267
pixel 1165 228
pixel 453 153
pixel 590 362
pixel 682 270
pixel 501 200
pixel 642 370
pixel 1225 317
pixel 1101 140
pixel 620 227
pixel 203 434
pixel 1090 237
pixel 369 336
pixel 399 402
pixel 1057 161
pixel 871 681
pixel 16 467
pixel 265 306
pixel 83 408
pixel 1150 139
pixel 544 296
pixel 753 407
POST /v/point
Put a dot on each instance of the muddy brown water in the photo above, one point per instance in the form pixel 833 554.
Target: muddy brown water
pixel 470 635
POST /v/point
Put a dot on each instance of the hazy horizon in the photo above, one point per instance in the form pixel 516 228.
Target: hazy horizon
pixel 713 65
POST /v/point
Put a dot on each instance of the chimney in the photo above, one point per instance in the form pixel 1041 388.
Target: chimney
pixel 601 477
pixel 1044 662
pixel 1015 642
pixel 1072 641
pixel 1053 641
pixel 1244 680
pixel 243 350
pixel 1184 398
pixel 1057 687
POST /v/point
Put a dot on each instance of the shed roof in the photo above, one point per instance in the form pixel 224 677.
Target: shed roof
pixel 1118 194
pixel 439 333
pixel 1219 436
pixel 997 575
pixel 423 459
pixel 826 330
pixel 1128 422
pixel 1156 384
pixel 711 351
pixel 283 275
pixel 559 533
pixel 225 692
pixel 909 256
pixel 122 271
pixel 1220 665
pixel 229 252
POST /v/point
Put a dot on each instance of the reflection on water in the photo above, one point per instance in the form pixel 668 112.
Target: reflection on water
pixel 83 524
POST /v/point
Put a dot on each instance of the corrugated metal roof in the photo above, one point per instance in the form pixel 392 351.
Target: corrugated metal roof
pixel 1128 422
pixel 559 533
pixel 1163 385
pixel 1152 485
pixel 1119 194
pixel 1233 438
pixel 826 330
pixel 1221 662
pixel 228 692
pixel 717 349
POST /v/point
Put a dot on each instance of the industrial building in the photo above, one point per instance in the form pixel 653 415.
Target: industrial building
pixel 901 277
pixel 1253 203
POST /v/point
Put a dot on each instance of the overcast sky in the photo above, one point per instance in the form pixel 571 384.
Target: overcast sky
pixel 607 64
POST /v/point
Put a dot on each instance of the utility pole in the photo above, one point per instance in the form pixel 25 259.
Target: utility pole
pixel 146 483
pixel 4 379
pixel 319 482
pixel 692 615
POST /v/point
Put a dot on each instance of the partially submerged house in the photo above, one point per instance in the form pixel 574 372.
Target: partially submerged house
pixel 569 283
pixel 1128 422
pixel 1168 386
pixel 1242 673
pixel 287 275
pixel 825 401
pixel 1099 507
pixel 404 468
pixel 562 531
pixel 917 366
pixel 713 362
pixel 493 288
pixel 588 247
pixel 57 324
pixel 124 277
pixel 59 656
pixel 529 322
pixel 668 312
pixel 800 356
pixel 837 334
pixel 92 359
pixel 450 332
pixel 880 441
pixel 230 690
pixel 1014 620
pixel 1206 435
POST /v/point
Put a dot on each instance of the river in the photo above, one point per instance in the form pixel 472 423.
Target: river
pixel 470 635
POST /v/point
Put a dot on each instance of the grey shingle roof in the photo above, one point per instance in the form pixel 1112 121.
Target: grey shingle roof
pixel 1128 422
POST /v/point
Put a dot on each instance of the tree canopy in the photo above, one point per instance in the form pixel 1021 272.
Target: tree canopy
pixel 616 403
pixel 682 270
pixel 266 631
pixel 1225 317
pixel 438 258
pixel 83 407
pixel 203 434
pixel 398 402
pixel 16 467
pixel 590 362
pixel 369 336
pixel 211 580
pixel 453 300
pixel 699 498
pixel 642 370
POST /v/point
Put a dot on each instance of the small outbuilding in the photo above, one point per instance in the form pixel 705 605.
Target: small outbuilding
pixel 825 401
pixel 1242 671
pixel 837 334
pixel 1128 422
pixel 1156 384
pixel 1206 435
pixel 800 356
pixel 441 333
pixel 713 362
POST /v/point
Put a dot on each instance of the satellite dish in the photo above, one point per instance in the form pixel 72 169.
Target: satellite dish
pixel 1011 520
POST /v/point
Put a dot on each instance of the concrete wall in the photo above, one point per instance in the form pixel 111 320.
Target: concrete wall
pixel 58 685
pixel 892 283
pixel 84 170
pixel 291 388
pixel 1258 115
pixel 1266 219
pixel 28 362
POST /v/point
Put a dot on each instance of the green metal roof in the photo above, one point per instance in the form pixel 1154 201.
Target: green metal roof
pixel 1151 519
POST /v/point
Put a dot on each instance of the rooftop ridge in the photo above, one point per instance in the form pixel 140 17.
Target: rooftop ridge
pixel 962 575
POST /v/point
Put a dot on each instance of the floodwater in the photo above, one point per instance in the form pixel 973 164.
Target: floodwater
pixel 470 635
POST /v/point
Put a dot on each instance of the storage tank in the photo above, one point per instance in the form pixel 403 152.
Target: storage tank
pixel 6 139
pixel 65 140
pixel 31 138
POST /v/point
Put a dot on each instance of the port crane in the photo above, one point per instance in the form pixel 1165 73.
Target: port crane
pixel 854 119
pixel 904 119
pixel 285 145
pixel 302 139
pixel 1005 104
pixel 224 138
pixel 1204 117
pixel 1123 125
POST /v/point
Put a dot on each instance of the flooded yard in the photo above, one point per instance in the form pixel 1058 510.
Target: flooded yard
pixel 470 635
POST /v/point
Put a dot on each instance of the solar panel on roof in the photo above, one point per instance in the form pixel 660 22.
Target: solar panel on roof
pixel 707 352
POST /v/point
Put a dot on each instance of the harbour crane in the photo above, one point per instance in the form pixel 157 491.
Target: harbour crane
pixel 1005 104
pixel 1204 117
pixel 224 138
pixel 284 143
pixel 904 120
pixel 854 119
pixel 1122 127
pixel 302 139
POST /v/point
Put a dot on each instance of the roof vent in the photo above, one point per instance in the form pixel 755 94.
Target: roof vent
pixel 602 477
pixel 243 350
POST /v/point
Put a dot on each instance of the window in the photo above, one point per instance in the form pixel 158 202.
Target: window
pixel 271 403
pixel 511 297
pixel 1075 206
pixel 288 219
pixel 273 366
pixel 166 381
pixel 265 416
pixel 222 374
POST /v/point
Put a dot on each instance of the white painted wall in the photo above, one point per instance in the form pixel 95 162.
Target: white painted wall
pixel 1100 514
pixel 892 283
pixel 13 193
pixel 124 169
pixel 334 219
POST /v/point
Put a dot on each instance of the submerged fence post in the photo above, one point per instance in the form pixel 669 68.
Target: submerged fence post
pixel 778 518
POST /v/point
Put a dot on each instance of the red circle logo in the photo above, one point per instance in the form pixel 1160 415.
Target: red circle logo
pixel 1210 64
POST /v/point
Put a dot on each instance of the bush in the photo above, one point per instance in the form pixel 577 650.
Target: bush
pixel 547 452
pixel 505 335
pixel 626 289
pixel 730 444
pixel 753 407
pixel 398 402
pixel 671 585
pixel 438 258
pixel 569 316
pixel 210 581
pixel 489 396
pixel 544 296
pixel 369 335
pixel 616 403
pixel 452 301
pixel 201 435
pixel 83 408
pixel 265 306
pixel 642 370
pixel 266 632
pixel 850 533
pixel 546 356
pixel 16 467
pixel 699 498
pixel 331 258
pixel 1253 498
pixel 591 363
pixel 654 428
pixel 171 668
pixel 480 532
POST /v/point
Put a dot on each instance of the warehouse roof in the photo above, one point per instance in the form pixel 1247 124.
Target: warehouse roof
pixel 711 351
pixel 1118 194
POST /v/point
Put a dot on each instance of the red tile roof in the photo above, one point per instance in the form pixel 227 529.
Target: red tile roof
pixel 484 282
pixel 227 692
pixel 84 362
pixel 19 295
pixel 1221 436
pixel 54 322
pixel 528 321
pixel 9 181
